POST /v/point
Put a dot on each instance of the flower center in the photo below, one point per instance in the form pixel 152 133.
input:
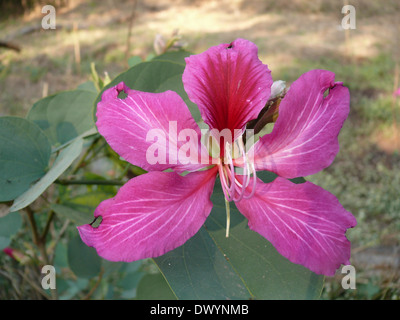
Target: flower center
pixel 234 185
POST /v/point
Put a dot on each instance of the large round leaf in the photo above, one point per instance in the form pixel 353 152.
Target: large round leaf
pixel 24 156
pixel 154 287
pixel 174 56
pixel 9 225
pixel 83 260
pixel 64 116
pixel 63 161
pixel 198 270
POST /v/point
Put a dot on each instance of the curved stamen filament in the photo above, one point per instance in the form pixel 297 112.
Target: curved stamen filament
pixel 228 217
pixel 234 189
pixel 231 172
pixel 254 182
pixel 246 171
pixel 224 183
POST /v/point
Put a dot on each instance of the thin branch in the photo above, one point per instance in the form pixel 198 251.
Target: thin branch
pixel 58 238
pixel 130 26
pixel 87 297
pixel 32 222
pixel 83 157
pixel 47 227
pixel 10 45
pixel 34 285
pixel 14 285
pixel 40 243
pixel 90 182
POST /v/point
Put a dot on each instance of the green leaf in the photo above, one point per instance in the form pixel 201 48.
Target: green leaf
pixel 88 202
pixel 83 260
pixel 157 75
pixel 174 56
pixel 9 225
pixel 154 287
pixel 64 116
pixel 63 161
pixel 198 271
pixel 88 86
pixel 77 217
pixel 69 289
pixel 131 276
pixel 133 61
pixel 24 156
pixel 60 256
pixel 86 134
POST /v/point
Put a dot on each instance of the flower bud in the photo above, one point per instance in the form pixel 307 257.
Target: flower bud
pixel 277 88
pixel 16 254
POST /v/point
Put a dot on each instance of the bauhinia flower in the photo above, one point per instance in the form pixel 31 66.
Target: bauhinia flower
pixel 160 210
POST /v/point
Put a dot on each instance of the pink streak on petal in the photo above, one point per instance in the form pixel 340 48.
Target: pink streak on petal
pixel 151 215
pixel 229 84
pixel 305 136
pixel 305 223
pixel 125 124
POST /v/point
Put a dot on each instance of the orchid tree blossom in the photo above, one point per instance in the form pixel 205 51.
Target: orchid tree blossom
pixel 160 210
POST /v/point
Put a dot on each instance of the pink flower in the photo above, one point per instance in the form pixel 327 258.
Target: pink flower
pixel 159 211
pixel 397 92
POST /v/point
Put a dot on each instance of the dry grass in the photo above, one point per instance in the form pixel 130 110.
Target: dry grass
pixel 284 34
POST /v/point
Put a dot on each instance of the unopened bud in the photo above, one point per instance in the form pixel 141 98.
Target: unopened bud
pixel 16 254
pixel 159 44
pixel 277 88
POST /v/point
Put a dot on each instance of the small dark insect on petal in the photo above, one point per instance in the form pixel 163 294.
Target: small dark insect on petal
pixel 96 222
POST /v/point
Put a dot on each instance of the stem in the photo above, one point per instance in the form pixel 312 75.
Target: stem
pixel 130 26
pixel 90 182
pixel 87 297
pixel 40 242
pixel 83 158
pixel 228 217
pixel 393 106
pixel 57 240
pixel 47 227
pixel 126 169
pixel 33 225
pixel 95 151
pixel 34 285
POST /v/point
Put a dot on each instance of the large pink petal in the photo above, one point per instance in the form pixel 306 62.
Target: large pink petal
pixel 144 128
pixel 305 223
pixel 151 215
pixel 305 136
pixel 229 84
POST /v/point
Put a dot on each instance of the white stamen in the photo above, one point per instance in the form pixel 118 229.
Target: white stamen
pixel 254 182
pixel 233 189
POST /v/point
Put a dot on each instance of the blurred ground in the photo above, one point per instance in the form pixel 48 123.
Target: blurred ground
pixel 293 37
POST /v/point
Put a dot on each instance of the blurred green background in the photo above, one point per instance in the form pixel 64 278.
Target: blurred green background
pixel 293 37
